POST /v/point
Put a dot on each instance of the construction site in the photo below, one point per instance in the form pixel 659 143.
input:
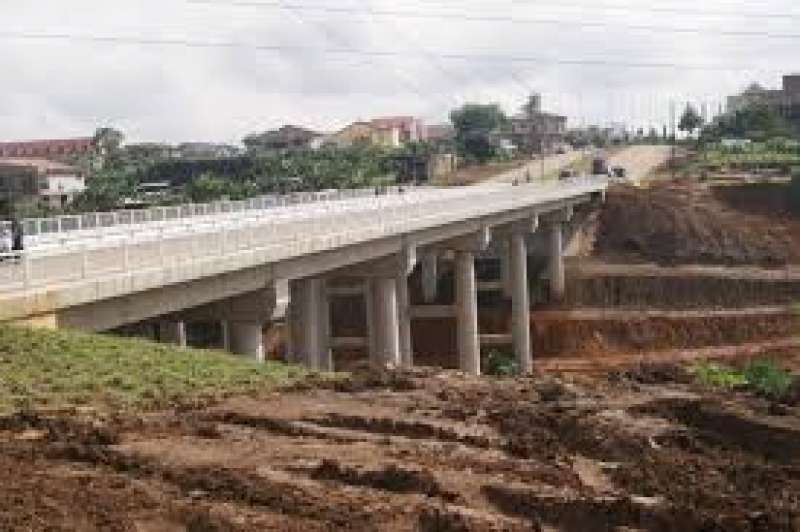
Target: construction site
pixel 657 403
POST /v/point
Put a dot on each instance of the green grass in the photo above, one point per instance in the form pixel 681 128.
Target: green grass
pixel 718 375
pixel 43 369
pixel 764 377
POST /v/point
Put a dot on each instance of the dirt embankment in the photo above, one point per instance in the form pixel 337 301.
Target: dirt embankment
pixel 684 223
pixel 427 450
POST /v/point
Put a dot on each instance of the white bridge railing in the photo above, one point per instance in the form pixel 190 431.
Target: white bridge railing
pixel 267 236
pixel 58 229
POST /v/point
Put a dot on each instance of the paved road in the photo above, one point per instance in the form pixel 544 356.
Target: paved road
pixel 640 161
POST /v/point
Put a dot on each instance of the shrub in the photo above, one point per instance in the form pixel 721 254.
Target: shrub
pixel 768 379
pixel 501 364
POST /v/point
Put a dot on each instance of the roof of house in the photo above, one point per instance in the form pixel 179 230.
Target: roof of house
pixel 48 143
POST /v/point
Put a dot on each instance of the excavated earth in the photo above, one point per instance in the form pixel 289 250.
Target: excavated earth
pixel 429 450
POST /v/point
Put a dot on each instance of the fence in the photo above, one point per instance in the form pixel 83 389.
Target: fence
pixel 43 230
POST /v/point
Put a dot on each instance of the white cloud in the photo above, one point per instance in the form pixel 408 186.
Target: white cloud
pixel 62 87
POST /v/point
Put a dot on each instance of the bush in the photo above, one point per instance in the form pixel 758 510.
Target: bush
pixel 501 364
pixel 764 377
pixel 767 379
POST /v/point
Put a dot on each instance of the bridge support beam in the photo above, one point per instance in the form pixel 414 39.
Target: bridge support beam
pixel 469 346
pixel 310 324
pixel 404 321
pixel 172 332
pixel 556 265
pixel 506 279
pixel 385 323
pixel 430 276
pixel 520 303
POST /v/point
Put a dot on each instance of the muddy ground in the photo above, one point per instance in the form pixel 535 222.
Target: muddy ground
pixel 640 449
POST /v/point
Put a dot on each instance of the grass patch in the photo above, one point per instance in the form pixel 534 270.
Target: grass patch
pixel 44 369
pixel 764 377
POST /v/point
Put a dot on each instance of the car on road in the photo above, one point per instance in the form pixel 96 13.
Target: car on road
pixel 618 172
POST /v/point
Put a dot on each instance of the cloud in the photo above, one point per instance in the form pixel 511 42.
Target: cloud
pixel 175 93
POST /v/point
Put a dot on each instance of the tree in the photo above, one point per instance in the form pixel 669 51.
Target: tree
pixel 108 140
pixel 690 120
pixel 478 127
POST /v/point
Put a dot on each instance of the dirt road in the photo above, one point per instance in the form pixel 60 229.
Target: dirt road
pixel 640 161
pixel 426 451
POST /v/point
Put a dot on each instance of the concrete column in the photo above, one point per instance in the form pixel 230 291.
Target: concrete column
pixel 326 354
pixel 226 335
pixel 172 332
pixel 520 304
pixel 373 320
pixel 404 318
pixel 505 270
pixel 386 322
pixel 247 339
pixel 430 277
pixel 469 348
pixel 294 336
pixel 312 316
pixel 556 273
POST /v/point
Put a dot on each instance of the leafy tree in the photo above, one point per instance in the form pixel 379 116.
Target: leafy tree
pixel 690 120
pixel 208 187
pixel 757 122
pixel 477 130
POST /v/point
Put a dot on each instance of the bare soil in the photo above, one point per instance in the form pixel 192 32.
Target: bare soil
pixel 429 450
pixel 685 222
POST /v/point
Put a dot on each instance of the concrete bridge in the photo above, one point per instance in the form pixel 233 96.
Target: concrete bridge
pixel 242 263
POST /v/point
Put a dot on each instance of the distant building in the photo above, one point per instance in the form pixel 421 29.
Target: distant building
pixel 48 183
pixel 535 131
pixel 53 149
pixel 388 132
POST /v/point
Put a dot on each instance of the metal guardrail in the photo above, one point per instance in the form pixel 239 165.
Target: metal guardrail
pixel 35 229
pixel 288 231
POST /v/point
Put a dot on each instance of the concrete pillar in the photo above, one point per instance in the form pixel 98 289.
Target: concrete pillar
pixel 312 315
pixel 469 348
pixel 172 332
pixel 556 273
pixel 387 327
pixel 404 319
pixel 247 339
pixel 226 335
pixel 430 277
pixel 372 320
pixel 505 270
pixel 520 304
pixel 326 354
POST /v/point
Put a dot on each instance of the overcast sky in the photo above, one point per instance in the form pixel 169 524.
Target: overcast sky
pixel 156 68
